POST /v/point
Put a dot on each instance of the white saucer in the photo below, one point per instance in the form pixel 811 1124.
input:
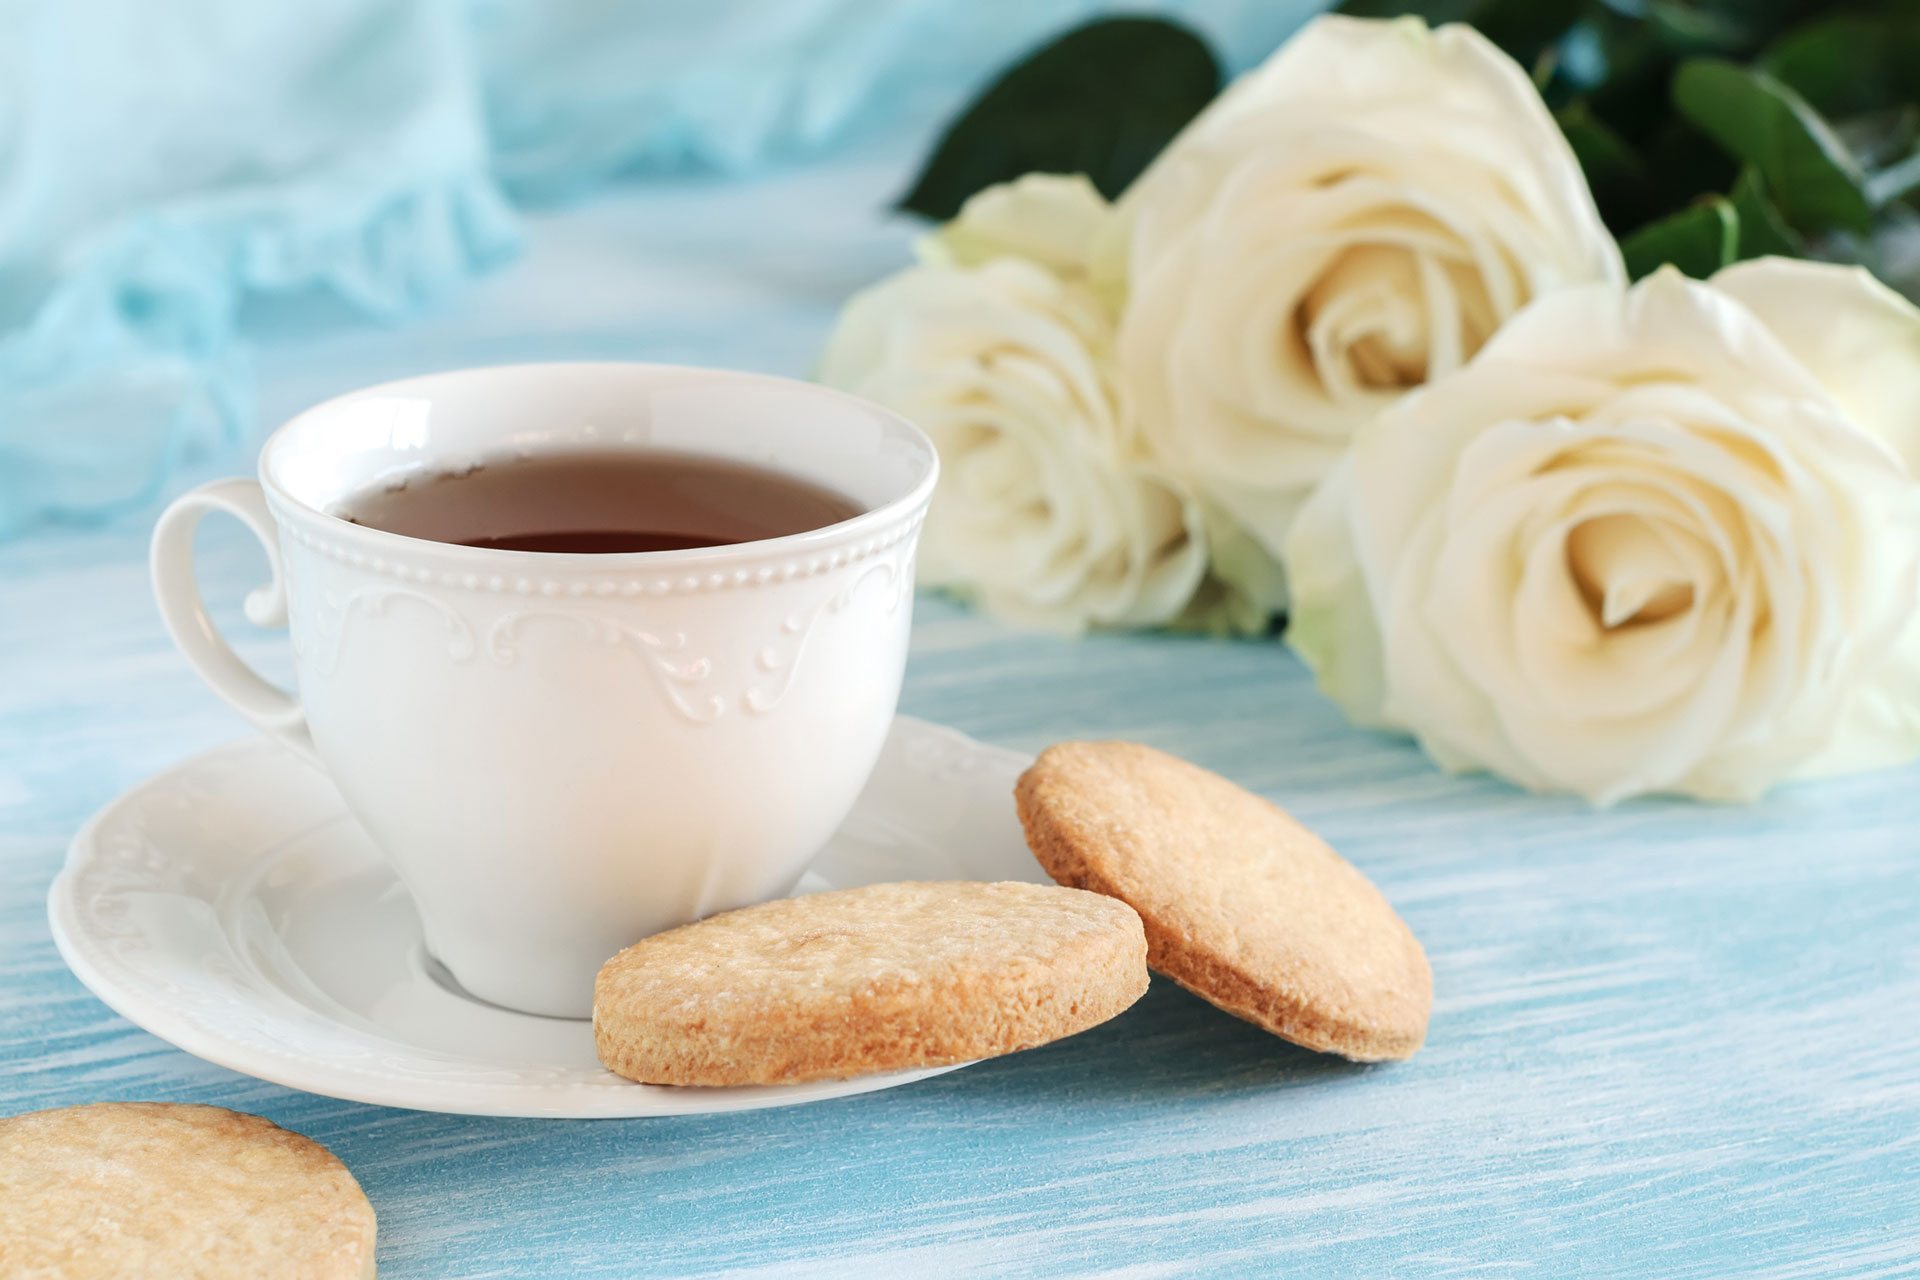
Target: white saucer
pixel 232 907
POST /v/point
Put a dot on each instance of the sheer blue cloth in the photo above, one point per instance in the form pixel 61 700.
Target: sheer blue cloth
pixel 163 165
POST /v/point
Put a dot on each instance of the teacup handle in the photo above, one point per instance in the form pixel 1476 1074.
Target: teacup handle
pixel 268 707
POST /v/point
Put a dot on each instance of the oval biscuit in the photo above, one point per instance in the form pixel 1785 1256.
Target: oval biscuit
pixel 881 978
pixel 157 1189
pixel 1243 906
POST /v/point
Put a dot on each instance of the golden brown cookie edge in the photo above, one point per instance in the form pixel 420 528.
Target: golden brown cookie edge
pixel 1227 987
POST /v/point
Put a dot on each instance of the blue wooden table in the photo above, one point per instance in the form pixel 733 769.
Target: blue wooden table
pixel 1668 1039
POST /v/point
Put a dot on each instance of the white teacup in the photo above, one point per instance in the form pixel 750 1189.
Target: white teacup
pixel 562 753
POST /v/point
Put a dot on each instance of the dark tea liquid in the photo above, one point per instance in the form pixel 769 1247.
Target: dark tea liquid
pixel 604 502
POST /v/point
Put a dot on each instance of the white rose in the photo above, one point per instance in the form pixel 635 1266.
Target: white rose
pixel 1001 353
pixel 1345 222
pixel 1655 540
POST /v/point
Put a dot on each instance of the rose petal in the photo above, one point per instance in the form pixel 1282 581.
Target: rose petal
pixel 1857 336
pixel 1331 624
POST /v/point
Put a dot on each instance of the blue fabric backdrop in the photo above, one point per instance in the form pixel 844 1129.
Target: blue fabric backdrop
pixel 163 164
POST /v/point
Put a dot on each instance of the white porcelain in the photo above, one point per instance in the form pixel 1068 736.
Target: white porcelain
pixel 562 753
pixel 233 907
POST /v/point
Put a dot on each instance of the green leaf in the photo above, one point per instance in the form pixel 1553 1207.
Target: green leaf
pixel 1762 230
pixel 1770 127
pixel 1850 64
pixel 1622 186
pixel 1102 100
pixel 1699 240
pixel 1603 154
pixel 1689 29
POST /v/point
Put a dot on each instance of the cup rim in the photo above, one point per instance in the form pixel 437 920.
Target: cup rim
pixel 871 520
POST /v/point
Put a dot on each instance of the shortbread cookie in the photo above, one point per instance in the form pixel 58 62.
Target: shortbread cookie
pixel 882 978
pixel 158 1190
pixel 1243 906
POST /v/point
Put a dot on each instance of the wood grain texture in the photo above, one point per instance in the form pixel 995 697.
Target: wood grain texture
pixel 1669 1039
